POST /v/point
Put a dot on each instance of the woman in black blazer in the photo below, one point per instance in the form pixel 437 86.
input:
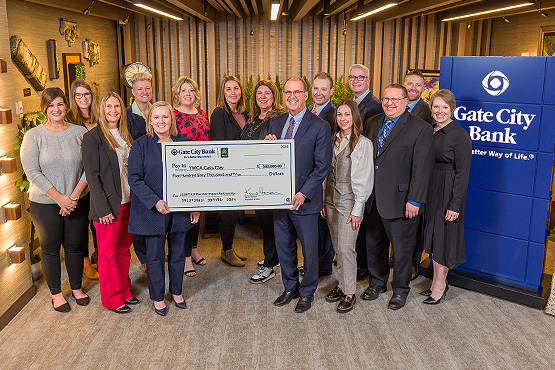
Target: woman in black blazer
pixel 150 214
pixel 105 150
pixel 226 123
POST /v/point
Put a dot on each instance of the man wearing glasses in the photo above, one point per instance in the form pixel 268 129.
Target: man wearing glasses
pixel 403 161
pixel 369 106
pixel 313 154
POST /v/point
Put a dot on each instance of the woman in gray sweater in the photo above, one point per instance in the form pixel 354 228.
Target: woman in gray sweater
pixel 51 158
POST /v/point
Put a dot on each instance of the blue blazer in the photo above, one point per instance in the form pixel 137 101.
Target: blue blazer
pixel 135 123
pixel 313 155
pixel 145 179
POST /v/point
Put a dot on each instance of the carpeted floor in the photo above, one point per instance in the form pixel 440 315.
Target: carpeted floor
pixel 232 324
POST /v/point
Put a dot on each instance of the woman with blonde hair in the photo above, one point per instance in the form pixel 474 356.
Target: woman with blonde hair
pixel 192 123
pixel 226 123
pixel 150 214
pixel 83 111
pixel 105 153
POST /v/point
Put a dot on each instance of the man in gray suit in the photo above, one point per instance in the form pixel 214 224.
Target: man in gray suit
pixel 403 161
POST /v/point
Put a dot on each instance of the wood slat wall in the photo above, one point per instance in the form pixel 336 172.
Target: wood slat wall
pixel 255 46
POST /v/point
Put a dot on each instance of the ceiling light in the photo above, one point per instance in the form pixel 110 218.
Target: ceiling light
pixel 542 13
pixel 274 12
pixel 487 12
pixel 142 4
pixel 387 5
pixel 88 10
pixel 285 8
pixel 507 20
pixel 326 7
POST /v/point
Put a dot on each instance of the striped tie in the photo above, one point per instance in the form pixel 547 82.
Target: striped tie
pixel 383 134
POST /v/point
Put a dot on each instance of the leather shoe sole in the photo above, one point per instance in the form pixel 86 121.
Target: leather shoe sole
pixel 371 293
pixel 133 300
pixel 303 304
pixel 285 298
pixel 396 302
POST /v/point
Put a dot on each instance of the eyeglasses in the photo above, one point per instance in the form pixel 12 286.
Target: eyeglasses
pixel 83 95
pixel 393 100
pixel 296 93
pixel 358 78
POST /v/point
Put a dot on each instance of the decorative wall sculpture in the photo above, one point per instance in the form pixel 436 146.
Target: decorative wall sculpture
pixel 27 63
pixel 53 60
pixel 69 30
pixel 91 52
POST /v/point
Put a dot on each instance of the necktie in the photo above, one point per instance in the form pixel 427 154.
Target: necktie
pixel 289 133
pixel 313 109
pixel 383 135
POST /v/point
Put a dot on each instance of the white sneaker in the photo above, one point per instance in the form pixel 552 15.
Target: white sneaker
pixel 263 275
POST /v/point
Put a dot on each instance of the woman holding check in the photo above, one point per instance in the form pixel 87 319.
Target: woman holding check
pixel 150 214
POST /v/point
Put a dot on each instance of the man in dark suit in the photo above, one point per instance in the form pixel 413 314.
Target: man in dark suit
pixel 313 151
pixel 369 106
pixel 414 83
pixel 403 160
pixel 322 90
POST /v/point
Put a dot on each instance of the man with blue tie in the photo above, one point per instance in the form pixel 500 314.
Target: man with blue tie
pixel 403 161
pixel 313 154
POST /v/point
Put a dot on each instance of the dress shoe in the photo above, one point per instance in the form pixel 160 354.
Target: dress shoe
pixel 430 300
pixel 285 298
pixel 182 304
pixel 303 304
pixel 90 272
pixel 123 309
pixel 239 255
pixel 372 293
pixel 63 308
pixel 397 301
pixel 335 295
pixel 426 293
pixel 161 311
pixel 231 258
pixel 133 300
pixel 81 301
pixel 346 304
pixel 362 273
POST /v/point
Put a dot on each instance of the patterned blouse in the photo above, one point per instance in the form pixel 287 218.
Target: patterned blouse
pixel 194 127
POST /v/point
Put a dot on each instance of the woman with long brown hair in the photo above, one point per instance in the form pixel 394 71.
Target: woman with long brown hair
pixel 347 187
pixel 105 153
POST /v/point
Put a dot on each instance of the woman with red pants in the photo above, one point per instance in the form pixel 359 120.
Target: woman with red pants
pixel 105 153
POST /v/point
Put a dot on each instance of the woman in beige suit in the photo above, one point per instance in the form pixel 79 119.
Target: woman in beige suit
pixel 347 187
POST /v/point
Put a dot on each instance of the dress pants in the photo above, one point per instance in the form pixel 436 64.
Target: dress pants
pixel 265 218
pixel 228 222
pixel 86 199
pixel 362 259
pixel 113 259
pixel 401 233
pixel 55 230
pixel 155 258
pixel 325 246
pixel 286 226
pixel 139 246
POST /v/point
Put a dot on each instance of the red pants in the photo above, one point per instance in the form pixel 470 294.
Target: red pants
pixel 113 259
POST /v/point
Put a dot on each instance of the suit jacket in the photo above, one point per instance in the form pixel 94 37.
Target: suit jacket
pixel 327 114
pixel 313 154
pixel 403 167
pixel 145 176
pixel 369 107
pixel 422 110
pixel 103 174
pixel 135 123
pixel 223 126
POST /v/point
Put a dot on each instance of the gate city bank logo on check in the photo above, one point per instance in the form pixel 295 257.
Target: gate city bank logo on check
pixel 495 83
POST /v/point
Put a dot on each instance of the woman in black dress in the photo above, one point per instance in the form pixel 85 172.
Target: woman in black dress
pixel 444 216
pixel 264 106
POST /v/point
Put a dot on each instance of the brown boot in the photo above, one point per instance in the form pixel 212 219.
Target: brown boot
pixel 230 257
pixel 90 272
pixel 240 256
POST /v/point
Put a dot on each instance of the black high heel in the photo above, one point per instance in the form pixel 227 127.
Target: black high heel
pixel 430 300
pixel 427 292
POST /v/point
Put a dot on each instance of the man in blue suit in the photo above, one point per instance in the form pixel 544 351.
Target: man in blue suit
pixel 313 154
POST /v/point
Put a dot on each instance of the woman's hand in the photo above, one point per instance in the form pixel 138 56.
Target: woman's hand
pixel 162 207
pixel 355 221
pixel 451 216
pixel 66 203
pixel 107 220
pixel 194 217
pixel 323 213
pixel 271 137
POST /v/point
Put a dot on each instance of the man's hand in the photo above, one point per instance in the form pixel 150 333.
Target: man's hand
pixel 411 211
pixel 271 137
pixel 162 207
pixel 297 201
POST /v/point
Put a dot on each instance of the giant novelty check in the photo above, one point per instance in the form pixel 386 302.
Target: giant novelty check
pixel 224 175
